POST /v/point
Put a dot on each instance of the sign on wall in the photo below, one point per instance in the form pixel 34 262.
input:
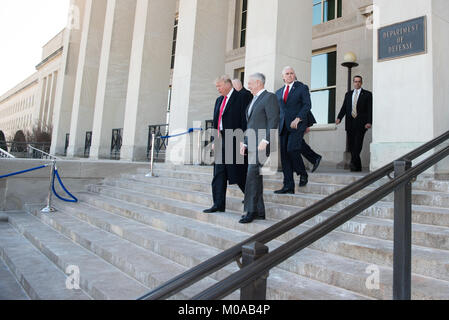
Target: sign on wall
pixel 403 39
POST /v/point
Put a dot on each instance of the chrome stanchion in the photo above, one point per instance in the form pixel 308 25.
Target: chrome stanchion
pixel 200 148
pixel 49 208
pixel 151 174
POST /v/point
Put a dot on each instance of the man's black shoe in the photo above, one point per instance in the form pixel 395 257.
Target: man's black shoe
pixel 214 209
pixel 248 218
pixel 356 170
pixel 317 164
pixel 259 217
pixel 285 191
pixel 303 181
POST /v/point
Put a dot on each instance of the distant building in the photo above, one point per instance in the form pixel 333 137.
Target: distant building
pixel 31 103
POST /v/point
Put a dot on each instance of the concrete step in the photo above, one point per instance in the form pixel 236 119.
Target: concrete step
pixel 10 289
pixel 38 276
pixel 98 278
pixel 419 197
pixel 424 235
pixel 427 261
pixel 326 175
pixel 148 268
pixel 191 253
pixel 281 206
pixel 328 268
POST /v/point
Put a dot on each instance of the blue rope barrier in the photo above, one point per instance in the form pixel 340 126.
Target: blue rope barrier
pixel 24 171
pixel 74 199
pixel 181 134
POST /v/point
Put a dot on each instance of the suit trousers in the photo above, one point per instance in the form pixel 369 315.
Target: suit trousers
pixel 220 185
pixel 356 136
pixel 291 162
pixel 254 190
pixel 308 153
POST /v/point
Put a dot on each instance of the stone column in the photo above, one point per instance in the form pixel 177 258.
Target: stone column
pixel 41 101
pixel 410 93
pixel 279 33
pixel 52 98
pixel 87 76
pixel 113 75
pixel 149 75
pixel 200 59
pixel 66 82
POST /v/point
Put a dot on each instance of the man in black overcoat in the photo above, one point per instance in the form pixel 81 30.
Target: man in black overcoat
pixel 229 114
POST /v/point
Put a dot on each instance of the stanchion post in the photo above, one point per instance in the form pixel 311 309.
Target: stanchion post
pixel 153 140
pixel 49 208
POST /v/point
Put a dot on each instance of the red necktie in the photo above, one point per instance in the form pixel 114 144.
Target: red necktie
pixel 221 114
pixel 286 94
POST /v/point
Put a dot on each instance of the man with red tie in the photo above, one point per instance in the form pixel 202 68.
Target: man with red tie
pixel 229 114
pixel 295 105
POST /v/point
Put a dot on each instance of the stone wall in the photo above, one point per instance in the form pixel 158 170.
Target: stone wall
pixel 33 187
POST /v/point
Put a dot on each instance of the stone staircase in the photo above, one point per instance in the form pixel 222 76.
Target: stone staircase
pixel 131 234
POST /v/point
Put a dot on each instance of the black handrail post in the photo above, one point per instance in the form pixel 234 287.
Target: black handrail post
pixel 402 255
pixel 257 290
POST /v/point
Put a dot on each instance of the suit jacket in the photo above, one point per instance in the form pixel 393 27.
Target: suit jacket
pixel 233 118
pixel 364 110
pixel 310 119
pixel 298 106
pixel 264 117
pixel 234 115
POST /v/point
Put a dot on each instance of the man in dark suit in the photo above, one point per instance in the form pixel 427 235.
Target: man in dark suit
pixel 263 118
pixel 229 114
pixel 358 109
pixel 295 105
pixel 306 151
pixel 237 84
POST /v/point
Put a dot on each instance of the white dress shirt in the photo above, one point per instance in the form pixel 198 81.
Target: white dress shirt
pixel 227 100
pixel 289 89
pixel 251 107
pixel 359 91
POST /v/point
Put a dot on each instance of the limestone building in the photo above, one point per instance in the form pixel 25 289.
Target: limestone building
pixel 31 103
pixel 125 63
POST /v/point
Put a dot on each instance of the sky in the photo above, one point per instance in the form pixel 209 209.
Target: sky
pixel 25 27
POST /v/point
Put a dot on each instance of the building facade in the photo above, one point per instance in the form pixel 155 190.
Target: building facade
pixel 31 103
pixel 126 63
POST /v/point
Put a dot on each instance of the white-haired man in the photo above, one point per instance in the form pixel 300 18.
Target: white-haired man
pixel 229 115
pixel 295 105
pixel 263 117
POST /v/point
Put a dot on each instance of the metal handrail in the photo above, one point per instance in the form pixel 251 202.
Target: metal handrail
pixel 47 155
pixel 259 267
pixel 5 154
pixel 208 267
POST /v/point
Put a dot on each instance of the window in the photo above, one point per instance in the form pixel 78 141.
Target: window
pixel 241 20
pixel 323 85
pixel 240 74
pixel 243 23
pixel 175 37
pixel 326 10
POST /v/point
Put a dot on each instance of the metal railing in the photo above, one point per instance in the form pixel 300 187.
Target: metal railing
pixel 257 261
pixel 21 150
pixel 5 154
pixel 157 146
pixel 39 154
